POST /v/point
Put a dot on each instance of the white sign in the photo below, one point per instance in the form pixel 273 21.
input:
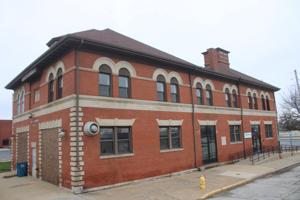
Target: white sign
pixel 223 140
pixel 247 135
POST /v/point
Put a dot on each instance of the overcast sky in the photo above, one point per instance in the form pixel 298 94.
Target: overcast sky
pixel 262 36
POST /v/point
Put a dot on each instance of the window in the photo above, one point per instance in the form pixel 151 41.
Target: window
pixel 59 85
pixel 19 104
pixel 170 137
pixel 174 90
pixel 227 97
pixel 5 142
pixel 51 88
pixel 161 88
pixel 250 101
pixel 235 133
pixel 115 140
pixel 199 94
pixel 268 130
pixel 22 105
pixel 255 106
pixel 268 103
pixel 37 96
pixel 263 103
pixel 105 85
pixel 124 83
pixel 209 97
pixel 235 99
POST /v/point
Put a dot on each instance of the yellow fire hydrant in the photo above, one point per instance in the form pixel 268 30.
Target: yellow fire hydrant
pixel 202 182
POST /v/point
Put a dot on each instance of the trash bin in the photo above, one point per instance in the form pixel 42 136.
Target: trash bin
pixel 22 169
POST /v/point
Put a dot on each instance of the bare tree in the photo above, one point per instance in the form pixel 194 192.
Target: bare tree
pixel 290 117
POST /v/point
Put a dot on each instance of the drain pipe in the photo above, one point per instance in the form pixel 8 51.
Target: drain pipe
pixel 242 116
pixel 193 121
pixel 277 127
pixel 77 83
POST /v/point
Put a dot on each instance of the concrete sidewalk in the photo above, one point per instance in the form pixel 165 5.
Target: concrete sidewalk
pixel 185 186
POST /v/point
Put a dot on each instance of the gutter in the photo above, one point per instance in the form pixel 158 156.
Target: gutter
pixel 193 122
pixel 242 117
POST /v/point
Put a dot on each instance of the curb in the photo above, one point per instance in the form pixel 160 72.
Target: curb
pixel 246 181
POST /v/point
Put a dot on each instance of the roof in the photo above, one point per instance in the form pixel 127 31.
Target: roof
pixel 110 37
pixel 236 74
pixel 110 40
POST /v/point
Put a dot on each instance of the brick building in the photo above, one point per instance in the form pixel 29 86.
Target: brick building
pixel 156 113
pixel 5 133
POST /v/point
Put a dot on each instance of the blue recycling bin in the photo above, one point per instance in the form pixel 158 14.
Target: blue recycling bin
pixel 22 169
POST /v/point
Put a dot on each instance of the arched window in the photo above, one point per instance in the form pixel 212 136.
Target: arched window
pixel 227 97
pixel 51 88
pixel 174 90
pixel 105 86
pixel 255 101
pixel 124 83
pixel 263 103
pixel 235 99
pixel 161 88
pixel 22 102
pixel 59 84
pixel 209 96
pixel 199 94
pixel 19 104
pixel 268 103
pixel 250 102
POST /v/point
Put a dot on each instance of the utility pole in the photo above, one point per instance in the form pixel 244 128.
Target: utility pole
pixel 297 82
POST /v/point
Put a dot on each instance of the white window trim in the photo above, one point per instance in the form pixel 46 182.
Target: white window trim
pixel 255 122
pixel 115 122
pixel 268 122
pixel 207 122
pixel 22 129
pixel 50 124
pixel 169 122
pixel 239 122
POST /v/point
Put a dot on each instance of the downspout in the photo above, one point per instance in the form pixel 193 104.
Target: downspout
pixel 77 83
pixel 242 116
pixel 193 122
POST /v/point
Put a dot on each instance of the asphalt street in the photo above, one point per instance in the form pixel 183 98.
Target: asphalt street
pixel 283 186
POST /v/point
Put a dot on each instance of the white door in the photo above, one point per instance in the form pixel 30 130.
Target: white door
pixel 33 169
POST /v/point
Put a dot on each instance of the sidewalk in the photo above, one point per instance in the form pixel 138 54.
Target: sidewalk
pixel 185 187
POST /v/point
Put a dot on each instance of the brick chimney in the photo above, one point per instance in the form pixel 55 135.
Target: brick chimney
pixel 216 58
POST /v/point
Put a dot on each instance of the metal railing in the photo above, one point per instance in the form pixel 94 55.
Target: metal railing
pixel 265 152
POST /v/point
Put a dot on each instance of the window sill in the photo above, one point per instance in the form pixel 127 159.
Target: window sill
pixel 171 150
pixel 117 156
pixel 236 142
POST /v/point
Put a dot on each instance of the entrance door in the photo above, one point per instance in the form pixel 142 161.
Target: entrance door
pixel 50 170
pixel 208 142
pixel 33 159
pixel 256 143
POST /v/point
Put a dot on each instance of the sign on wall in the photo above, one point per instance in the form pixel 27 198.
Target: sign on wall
pixel 247 135
pixel 223 140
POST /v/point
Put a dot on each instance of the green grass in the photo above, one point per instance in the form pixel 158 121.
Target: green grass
pixel 4 166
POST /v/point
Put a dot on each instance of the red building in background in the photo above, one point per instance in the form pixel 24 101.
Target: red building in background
pixel 5 133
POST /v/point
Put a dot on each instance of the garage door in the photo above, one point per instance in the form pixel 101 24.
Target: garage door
pixel 22 147
pixel 50 156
